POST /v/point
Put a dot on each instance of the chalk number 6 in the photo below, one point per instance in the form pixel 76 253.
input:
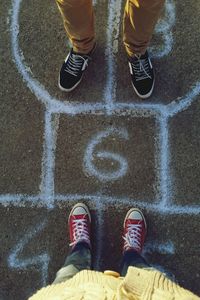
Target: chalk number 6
pixel 90 154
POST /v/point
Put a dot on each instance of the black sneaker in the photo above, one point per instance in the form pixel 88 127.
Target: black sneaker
pixel 72 70
pixel 142 75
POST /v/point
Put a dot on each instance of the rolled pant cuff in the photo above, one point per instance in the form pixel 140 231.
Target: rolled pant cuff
pixel 84 50
pixel 135 51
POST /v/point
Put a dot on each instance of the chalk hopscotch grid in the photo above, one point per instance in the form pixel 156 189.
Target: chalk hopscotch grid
pixel 54 107
pixel 161 112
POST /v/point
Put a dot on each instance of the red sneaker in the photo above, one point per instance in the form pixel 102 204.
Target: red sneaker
pixel 79 223
pixel 134 230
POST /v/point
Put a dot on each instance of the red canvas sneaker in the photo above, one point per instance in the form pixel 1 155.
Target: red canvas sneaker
pixel 134 230
pixel 79 223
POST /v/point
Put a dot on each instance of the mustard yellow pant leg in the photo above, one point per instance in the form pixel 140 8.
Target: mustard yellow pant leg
pixel 78 18
pixel 140 18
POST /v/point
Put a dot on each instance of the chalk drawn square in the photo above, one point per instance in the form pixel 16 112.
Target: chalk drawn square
pixel 88 168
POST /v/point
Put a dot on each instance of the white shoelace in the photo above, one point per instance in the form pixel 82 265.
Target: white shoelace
pixel 75 64
pixel 141 68
pixel 133 237
pixel 80 231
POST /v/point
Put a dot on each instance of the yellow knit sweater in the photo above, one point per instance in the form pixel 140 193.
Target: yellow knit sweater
pixel 138 284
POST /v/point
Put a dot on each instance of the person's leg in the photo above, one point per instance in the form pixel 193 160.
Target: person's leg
pixel 79 224
pixel 134 236
pixel 78 18
pixel 79 259
pixel 134 259
pixel 140 18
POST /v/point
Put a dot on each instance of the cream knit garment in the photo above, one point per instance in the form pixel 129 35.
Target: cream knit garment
pixel 139 284
pixel 90 285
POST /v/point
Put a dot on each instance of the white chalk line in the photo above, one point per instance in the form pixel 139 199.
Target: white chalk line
pixel 41 260
pixel 174 108
pixel 156 246
pixel 99 233
pixel 48 160
pixel 166 248
pixel 36 201
pixel 165 177
pixel 164 27
pixel 113 25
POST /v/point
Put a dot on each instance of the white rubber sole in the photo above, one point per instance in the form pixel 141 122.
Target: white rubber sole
pixel 68 90
pixel 144 96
